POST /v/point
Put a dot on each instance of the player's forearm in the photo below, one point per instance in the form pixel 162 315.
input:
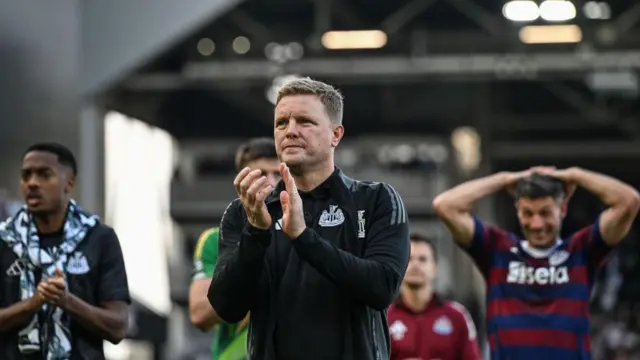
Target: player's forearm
pixel 111 325
pixel 462 197
pixel 612 192
pixel 368 281
pixel 18 314
pixel 202 314
pixel 237 275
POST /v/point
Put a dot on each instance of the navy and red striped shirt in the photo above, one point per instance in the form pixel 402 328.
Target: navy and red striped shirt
pixel 537 301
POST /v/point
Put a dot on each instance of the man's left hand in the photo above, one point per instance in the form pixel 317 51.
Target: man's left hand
pixel 54 289
pixel 567 176
pixel 292 211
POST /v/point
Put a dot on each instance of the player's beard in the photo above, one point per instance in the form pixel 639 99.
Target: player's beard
pixel 416 285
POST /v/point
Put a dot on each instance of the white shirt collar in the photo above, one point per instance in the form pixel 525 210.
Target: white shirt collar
pixel 539 253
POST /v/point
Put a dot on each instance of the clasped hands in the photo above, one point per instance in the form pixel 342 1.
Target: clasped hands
pixel 53 290
pixel 253 189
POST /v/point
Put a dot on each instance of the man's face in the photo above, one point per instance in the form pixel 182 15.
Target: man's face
pixel 303 132
pixel 540 220
pixel 45 183
pixel 270 168
pixel 422 267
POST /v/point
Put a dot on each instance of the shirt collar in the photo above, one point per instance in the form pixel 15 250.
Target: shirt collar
pixel 336 186
pixel 436 302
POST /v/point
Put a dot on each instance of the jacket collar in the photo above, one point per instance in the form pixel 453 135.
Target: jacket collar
pixel 336 186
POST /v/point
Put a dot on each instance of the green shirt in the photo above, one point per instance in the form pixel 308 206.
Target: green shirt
pixel 230 340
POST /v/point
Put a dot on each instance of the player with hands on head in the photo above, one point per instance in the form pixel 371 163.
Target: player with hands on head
pixel 538 288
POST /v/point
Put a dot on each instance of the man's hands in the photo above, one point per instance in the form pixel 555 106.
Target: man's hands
pixel 53 290
pixel 253 189
pixel 293 223
pixel 566 175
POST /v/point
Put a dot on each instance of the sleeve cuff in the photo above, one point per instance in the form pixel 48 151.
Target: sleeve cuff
pixel 478 233
pixel 255 236
pixel 117 295
pixel 305 242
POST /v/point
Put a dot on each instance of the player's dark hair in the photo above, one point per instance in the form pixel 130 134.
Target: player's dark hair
pixel 64 155
pixel 421 238
pixel 258 148
pixel 539 186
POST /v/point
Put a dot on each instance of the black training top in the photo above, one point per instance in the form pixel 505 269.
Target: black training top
pixel 325 294
pixel 98 275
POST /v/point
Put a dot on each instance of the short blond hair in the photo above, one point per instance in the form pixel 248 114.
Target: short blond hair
pixel 330 97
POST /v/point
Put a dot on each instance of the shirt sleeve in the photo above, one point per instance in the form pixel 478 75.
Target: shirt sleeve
pixel 469 349
pixel 486 239
pixel 375 278
pixel 113 285
pixel 241 251
pixel 206 255
pixel 589 241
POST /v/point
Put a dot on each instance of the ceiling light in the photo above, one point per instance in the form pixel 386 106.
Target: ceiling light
pixel 364 39
pixel 550 34
pixel 520 10
pixel 557 10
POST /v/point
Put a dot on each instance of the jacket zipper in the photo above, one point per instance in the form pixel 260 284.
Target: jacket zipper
pixel 376 351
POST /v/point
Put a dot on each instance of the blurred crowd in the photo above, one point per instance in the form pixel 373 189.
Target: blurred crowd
pixel 616 307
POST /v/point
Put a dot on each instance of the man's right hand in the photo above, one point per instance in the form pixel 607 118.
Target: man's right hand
pixel 253 189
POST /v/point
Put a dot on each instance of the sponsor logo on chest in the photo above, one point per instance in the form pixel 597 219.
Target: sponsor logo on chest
pixel 521 273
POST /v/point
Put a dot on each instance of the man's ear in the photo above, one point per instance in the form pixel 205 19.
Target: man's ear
pixel 338 133
pixel 70 183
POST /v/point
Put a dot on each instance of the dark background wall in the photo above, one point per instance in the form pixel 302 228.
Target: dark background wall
pixel 39 65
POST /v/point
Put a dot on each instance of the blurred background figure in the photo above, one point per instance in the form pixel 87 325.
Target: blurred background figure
pixel 155 100
pixel 422 325
pixel 230 340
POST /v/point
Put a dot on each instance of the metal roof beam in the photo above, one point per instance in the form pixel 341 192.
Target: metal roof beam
pixel 514 66
pixel 506 65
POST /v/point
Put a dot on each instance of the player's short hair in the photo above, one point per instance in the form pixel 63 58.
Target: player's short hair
pixel 258 148
pixel 417 237
pixel 539 186
pixel 64 155
pixel 330 97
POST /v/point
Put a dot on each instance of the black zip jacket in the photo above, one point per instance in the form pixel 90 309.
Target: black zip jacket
pixel 323 295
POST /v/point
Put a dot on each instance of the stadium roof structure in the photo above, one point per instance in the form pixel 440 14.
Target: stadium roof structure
pixel 444 63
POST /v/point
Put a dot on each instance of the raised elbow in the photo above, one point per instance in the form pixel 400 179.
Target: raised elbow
pixel 441 206
pixel 633 202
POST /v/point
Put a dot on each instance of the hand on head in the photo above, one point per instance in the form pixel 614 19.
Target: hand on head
pixel 563 174
pixel 253 189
